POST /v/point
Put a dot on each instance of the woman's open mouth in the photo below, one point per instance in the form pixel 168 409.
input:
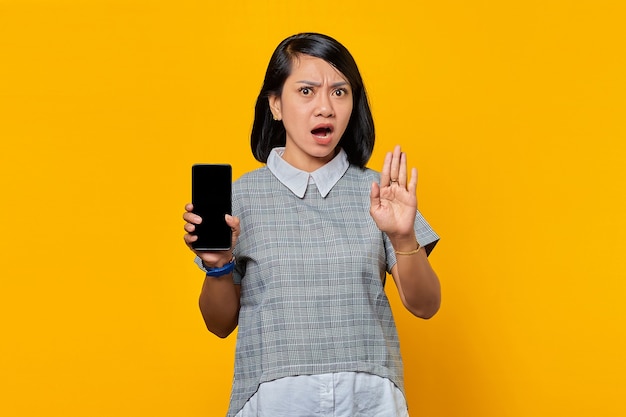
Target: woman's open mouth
pixel 322 132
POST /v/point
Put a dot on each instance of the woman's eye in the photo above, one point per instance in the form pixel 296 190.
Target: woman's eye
pixel 305 91
pixel 340 92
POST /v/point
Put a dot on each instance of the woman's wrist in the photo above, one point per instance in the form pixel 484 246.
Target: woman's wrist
pixel 405 243
pixel 218 271
pixel 220 262
pixel 410 252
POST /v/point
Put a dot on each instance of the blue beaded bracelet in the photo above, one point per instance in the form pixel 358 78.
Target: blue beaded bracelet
pixel 218 272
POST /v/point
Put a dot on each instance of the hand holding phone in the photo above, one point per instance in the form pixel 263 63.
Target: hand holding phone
pixel 211 196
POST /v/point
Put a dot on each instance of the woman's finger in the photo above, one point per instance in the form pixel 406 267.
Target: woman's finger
pixel 189 239
pixel 190 227
pixel 394 171
pixel 384 176
pixel 233 222
pixel 402 180
pixel 192 218
pixel 413 183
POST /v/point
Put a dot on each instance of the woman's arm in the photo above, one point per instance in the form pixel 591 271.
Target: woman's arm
pixel 219 298
pixel 219 304
pixel 393 208
pixel 416 280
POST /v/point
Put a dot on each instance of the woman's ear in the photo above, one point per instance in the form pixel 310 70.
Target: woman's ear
pixel 274 102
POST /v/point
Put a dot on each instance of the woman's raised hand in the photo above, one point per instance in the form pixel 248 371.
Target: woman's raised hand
pixel 393 201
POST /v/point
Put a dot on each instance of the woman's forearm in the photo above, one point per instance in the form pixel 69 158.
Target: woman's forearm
pixel 219 304
pixel 416 280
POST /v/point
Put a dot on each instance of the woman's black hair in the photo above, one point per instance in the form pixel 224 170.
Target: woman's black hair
pixel 358 139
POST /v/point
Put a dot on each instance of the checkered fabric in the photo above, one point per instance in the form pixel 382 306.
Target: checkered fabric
pixel 312 273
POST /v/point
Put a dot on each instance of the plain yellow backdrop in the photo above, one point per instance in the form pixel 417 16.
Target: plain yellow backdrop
pixel 513 112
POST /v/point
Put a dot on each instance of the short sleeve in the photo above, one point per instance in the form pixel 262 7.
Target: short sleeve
pixel 239 272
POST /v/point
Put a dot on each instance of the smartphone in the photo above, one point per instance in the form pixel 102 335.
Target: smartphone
pixel 211 196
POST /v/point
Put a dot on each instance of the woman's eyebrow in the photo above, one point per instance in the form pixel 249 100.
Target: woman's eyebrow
pixel 317 84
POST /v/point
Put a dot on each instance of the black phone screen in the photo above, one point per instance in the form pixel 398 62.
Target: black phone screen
pixel 211 199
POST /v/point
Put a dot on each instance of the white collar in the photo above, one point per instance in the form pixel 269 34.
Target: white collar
pixel 297 180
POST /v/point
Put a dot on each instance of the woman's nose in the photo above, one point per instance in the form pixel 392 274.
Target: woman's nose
pixel 324 106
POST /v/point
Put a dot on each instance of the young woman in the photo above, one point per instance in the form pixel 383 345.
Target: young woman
pixel 314 234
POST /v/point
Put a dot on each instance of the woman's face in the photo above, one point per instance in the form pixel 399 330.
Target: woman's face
pixel 315 108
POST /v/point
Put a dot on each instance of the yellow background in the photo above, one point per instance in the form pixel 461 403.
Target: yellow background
pixel 513 112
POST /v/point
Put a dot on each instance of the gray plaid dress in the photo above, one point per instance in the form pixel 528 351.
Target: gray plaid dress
pixel 312 273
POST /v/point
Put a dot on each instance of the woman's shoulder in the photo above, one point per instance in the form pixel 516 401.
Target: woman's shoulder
pixel 253 180
pixel 359 174
pixel 253 175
